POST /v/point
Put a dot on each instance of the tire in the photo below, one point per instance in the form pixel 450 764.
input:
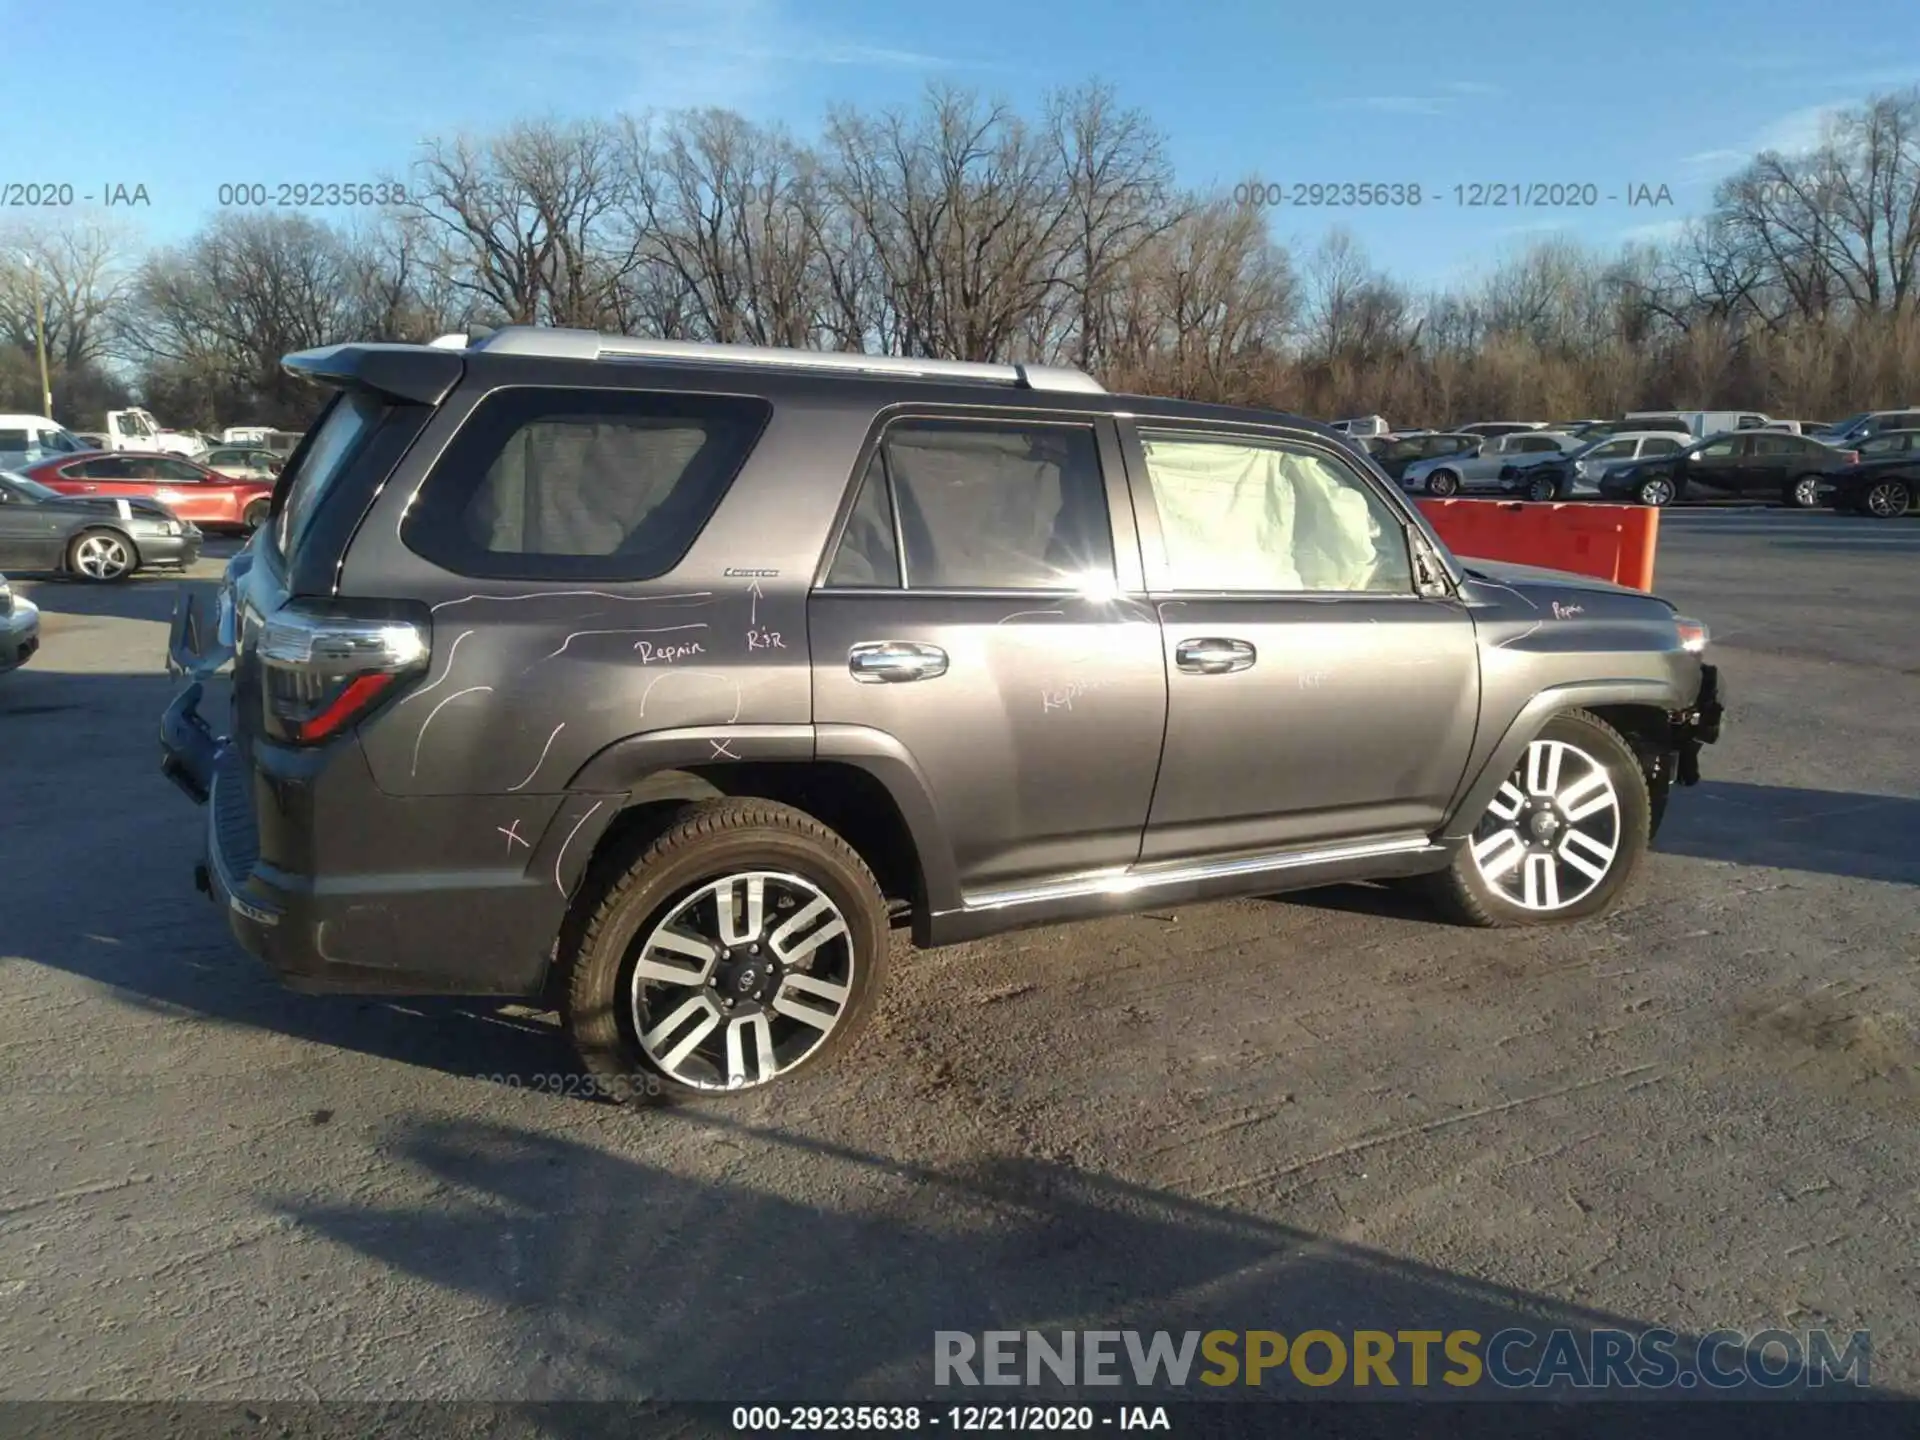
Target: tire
pixel 1802 493
pixel 1443 483
pixel 1485 887
pixel 255 515
pixel 1543 488
pixel 1885 499
pixel 1656 491
pixel 102 557
pixel 625 1029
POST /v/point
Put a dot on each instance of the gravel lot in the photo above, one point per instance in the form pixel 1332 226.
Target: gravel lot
pixel 1326 1110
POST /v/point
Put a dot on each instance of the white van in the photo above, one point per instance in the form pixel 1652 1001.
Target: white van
pixel 29 439
pixel 1363 425
pixel 1699 423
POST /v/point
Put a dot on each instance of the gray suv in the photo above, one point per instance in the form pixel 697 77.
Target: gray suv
pixel 660 682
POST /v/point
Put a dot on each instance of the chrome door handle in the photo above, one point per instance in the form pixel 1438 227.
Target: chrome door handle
pixel 880 662
pixel 1213 657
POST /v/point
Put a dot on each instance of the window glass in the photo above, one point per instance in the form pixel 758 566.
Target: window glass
pixel 177 472
pixel 999 506
pixel 1536 445
pixel 1255 515
pixel 545 483
pixel 1659 446
pixel 14 439
pixel 1721 449
pixel 868 558
pixel 1612 449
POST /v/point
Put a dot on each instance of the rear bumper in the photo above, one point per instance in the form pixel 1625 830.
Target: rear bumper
pixel 381 929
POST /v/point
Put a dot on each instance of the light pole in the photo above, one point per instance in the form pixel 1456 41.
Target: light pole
pixel 40 336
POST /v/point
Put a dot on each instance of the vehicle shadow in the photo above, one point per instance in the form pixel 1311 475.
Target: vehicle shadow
pixel 630 1280
pixel 1866 837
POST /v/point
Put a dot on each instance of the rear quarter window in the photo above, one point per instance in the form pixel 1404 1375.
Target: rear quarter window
pixel 552 484
pixel 349 419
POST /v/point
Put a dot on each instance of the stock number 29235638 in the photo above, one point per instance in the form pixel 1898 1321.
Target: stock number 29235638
pixel 1327 193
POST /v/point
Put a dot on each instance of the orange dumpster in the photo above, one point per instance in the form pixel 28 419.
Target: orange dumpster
pixel 1609 542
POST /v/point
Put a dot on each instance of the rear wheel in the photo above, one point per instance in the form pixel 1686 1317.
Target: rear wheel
pixel 1656 491
pixel 1803 493
pixel 1543 487
pixel 1886 499
pixel 747 942
pixel 1562 835
pixel 102 557
pixel 1443 483
pixel 256 514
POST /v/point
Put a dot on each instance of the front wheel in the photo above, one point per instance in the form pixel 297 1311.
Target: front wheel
pixel 1443 483
pixel 255 515
pixel 1561 836
pixel 1543 487
pixel 748 941
pixel 1804 493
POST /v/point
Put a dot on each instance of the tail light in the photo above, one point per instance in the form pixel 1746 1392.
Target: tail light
pixel 324 669
pixel 1693 634
pixel 1852 456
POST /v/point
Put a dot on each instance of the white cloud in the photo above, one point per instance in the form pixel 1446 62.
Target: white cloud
pixel 1658 232
pixel 1398 104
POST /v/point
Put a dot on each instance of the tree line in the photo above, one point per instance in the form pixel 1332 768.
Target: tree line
pixel 965 229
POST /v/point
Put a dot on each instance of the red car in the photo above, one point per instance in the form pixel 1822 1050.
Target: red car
pixel 193 492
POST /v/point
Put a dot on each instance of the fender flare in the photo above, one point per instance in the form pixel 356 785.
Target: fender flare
pixel 661 765
pixel 1581 695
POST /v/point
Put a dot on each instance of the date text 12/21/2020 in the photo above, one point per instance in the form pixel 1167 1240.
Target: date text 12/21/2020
pixel 1474 195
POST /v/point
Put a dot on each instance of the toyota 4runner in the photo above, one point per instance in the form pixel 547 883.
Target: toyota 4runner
pixel 660 681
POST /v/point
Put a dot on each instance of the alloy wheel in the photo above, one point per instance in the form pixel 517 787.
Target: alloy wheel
pixel 1551 834
pixel 1806 492
pixel 102 557
pixel 741 980
pixel 1656 492
pixel 1887 499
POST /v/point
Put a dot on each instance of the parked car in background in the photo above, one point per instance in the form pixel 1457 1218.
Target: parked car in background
pixel 1855 429
pixel 19 628
pixel 243 462
pixel 29 439
pixel 1789 468
pixel 1579 472
pixel 137 430
pixel 211 500
pixel 90 439
pixel 1698 423
pixel 1397 452
pixel 1885 482
pixel 1577 428
pixel 1363 425
pixel 1792 427
pixel 1500 427
pixel 89 537
pixel 1479 469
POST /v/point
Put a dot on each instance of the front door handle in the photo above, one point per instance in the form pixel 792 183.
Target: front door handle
pixel 1213 657
pixel 882 662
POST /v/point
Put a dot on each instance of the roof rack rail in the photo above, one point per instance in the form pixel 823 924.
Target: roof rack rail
pixel 563 344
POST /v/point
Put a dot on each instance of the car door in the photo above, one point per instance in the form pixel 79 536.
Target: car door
pixel 983 610
pixel 1716 465
pixel 187 490
pixel 1315 697
pixel 1774 461
pixel 31 535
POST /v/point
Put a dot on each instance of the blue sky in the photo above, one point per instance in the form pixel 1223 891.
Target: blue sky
pixel 1635 92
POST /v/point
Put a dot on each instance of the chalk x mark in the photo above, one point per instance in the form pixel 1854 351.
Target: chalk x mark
pixel 721 750
pixel 513 833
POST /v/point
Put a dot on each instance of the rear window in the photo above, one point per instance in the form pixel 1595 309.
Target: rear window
pixel 551 484
pixel 350 417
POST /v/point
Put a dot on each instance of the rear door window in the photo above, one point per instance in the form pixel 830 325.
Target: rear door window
pixel 998 505
pixel 553 484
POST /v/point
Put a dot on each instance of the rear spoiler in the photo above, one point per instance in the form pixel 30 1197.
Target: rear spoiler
pixel 410 374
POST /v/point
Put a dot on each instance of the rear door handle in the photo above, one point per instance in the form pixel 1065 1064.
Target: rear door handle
pixel 882 662
pixel 1213 656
